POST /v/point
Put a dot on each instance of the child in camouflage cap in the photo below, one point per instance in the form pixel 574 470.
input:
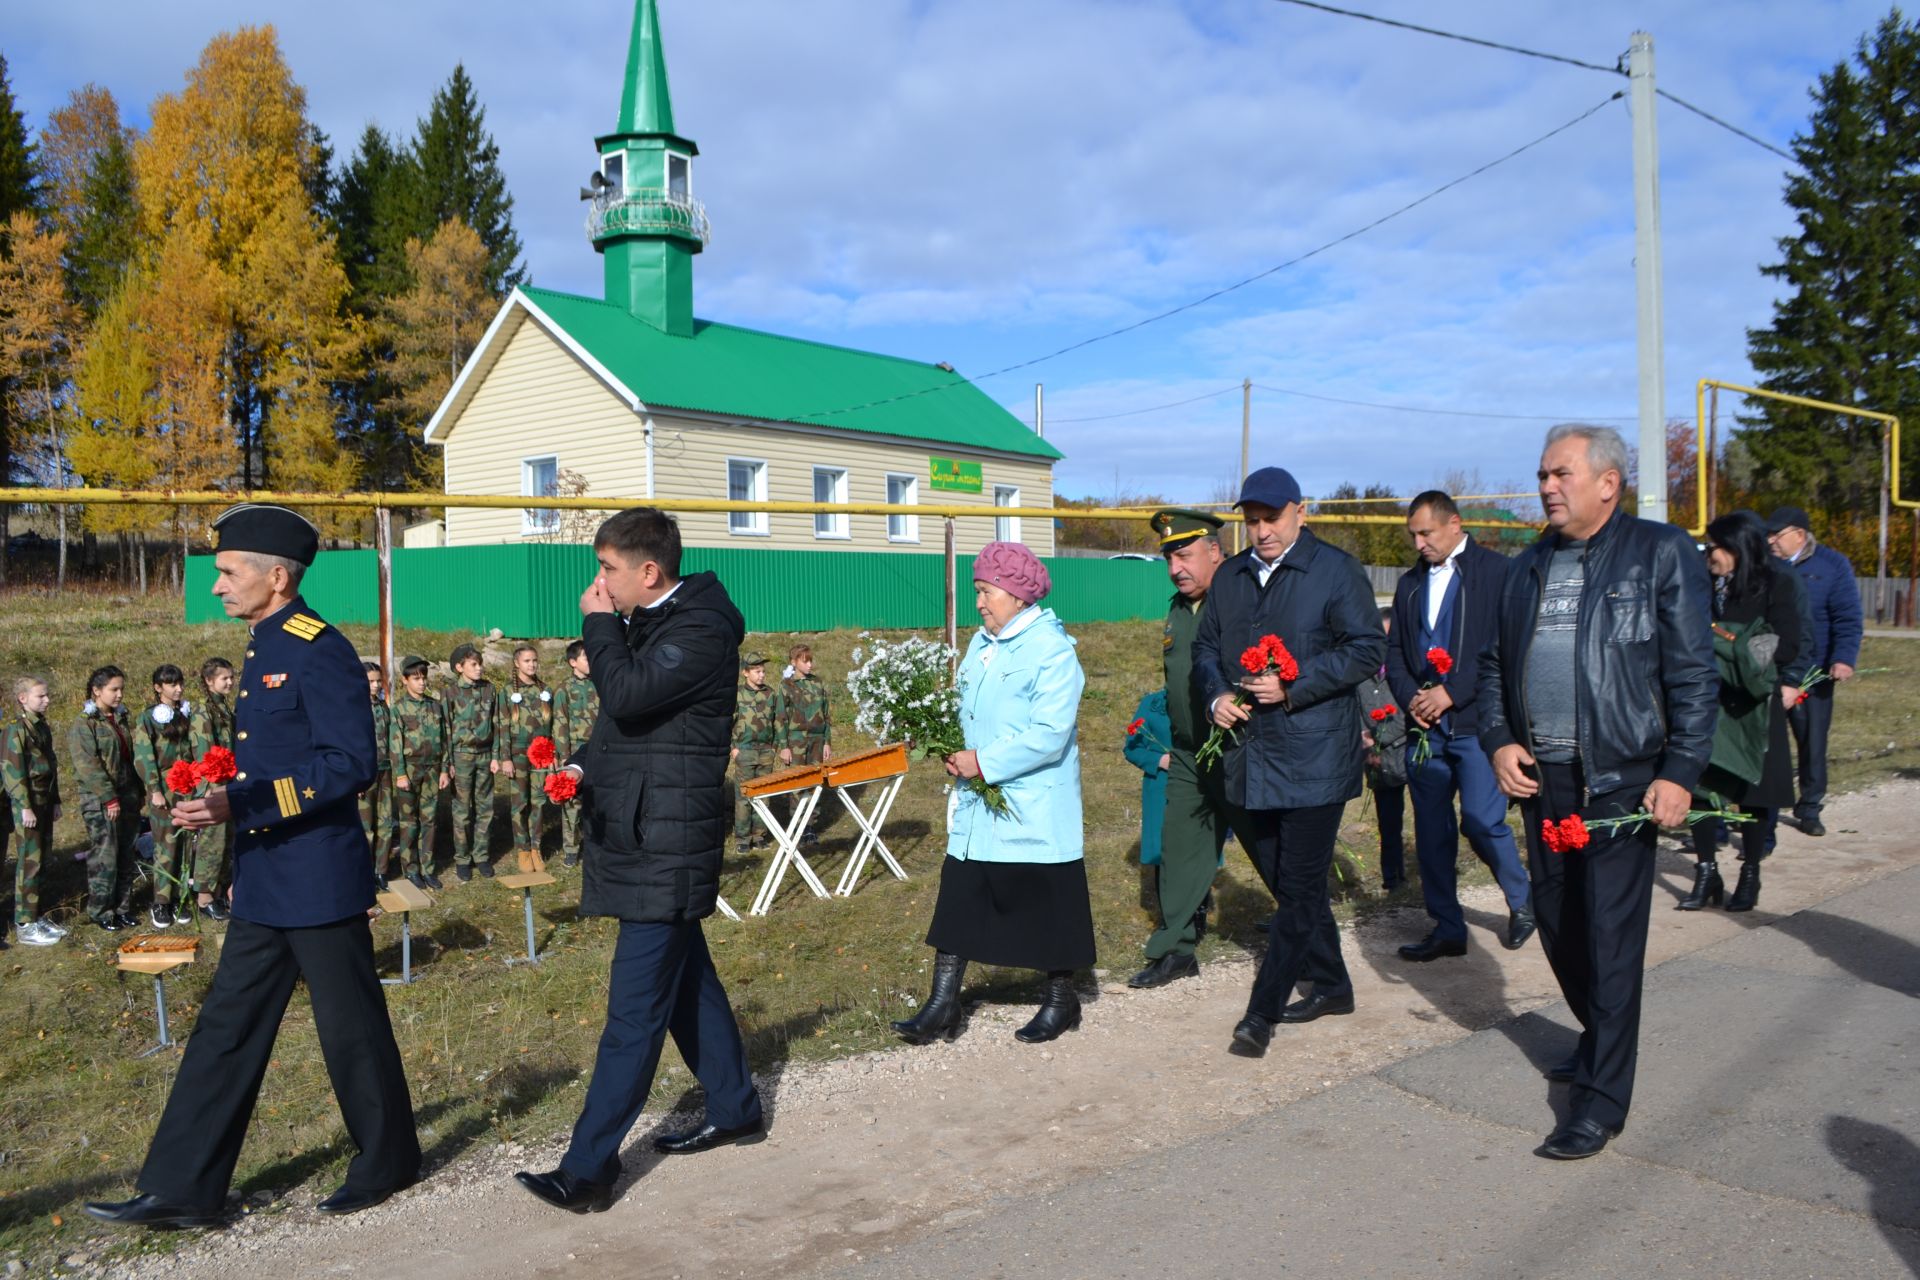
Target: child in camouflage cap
pixel 31 776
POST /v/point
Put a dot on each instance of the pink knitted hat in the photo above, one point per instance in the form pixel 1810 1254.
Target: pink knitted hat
pixel 1014 569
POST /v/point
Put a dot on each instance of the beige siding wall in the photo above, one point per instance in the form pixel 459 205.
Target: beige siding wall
pixel 539 401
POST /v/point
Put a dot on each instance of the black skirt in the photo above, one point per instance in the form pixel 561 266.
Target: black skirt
pixel 1024 915
pixel 1775 787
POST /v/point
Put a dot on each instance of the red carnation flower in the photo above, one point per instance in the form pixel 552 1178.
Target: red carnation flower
pixel 540 752
pixel 1573 833
pixel 1381 713
pixel 1440 660
pixel 216 768
pixel 1135 726
pixel 562 786
pixel 180 777
pixel 1255 660
pixel 1550 836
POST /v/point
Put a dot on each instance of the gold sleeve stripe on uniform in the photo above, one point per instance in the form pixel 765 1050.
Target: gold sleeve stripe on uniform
pixel 303 625
pixel 288 795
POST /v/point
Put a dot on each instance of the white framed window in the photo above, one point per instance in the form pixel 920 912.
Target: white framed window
pixel 539 478
pixel 903 490
pixel 747 482
pixel 614 169
pixel 830 485
pixel 1006 528
pixel 679 176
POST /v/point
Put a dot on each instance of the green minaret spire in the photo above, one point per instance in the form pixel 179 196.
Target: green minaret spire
pixel 645 222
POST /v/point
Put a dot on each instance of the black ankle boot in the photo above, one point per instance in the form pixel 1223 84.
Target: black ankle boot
pixel 942 1014
pixel 1059 1011
pixel 1747 891
pixel 1708 887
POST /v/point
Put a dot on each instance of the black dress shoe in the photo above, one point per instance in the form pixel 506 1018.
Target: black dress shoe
pixel 1168 968
pixel 108 921
pixel 1576 1140
pixel 350 1200
pixel 1562 1072
pixel 1318 1005
pixel 1812 826
pixel 152 1211
pixel 485 869
pixel 433 881
pixel 707 1137
pixel 463 873
pixel 1251 1036
pixel 379 882
pixel 1432 947
pixel 1520 927
pixel 564 1191
pixel 127 919
pixel 417 880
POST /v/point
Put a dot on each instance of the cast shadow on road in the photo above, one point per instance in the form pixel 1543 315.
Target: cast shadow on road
pixel 1890 1163
pixel 1869 954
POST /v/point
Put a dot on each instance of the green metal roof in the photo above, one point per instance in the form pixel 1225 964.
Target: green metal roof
pixel 742 372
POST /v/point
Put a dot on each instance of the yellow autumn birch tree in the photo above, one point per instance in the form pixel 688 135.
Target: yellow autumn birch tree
pixel 37 321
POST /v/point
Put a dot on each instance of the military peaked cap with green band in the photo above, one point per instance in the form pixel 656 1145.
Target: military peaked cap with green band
pixel 1177 526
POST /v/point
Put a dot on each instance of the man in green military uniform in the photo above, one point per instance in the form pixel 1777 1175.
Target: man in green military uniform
pixel 806 721
pixel 473 707
pixel 416 751
pixel 526 713
pixel 1197 818
pixel 576 705
pixel 376 802
pixel 31 778
pixel 756 743
pixel 212 848
pixel 100 753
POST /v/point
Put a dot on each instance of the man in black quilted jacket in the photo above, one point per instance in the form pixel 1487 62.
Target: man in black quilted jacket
pixel 664 652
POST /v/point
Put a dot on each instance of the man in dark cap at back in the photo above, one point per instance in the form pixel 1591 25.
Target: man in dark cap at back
pixel 302 889
pixel 1195 825
pixel 1838 625
pixel 1292 758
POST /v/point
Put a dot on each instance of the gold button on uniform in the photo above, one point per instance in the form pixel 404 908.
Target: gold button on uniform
pixel 249 653
pixel 240 777
pixel 241 736
pixel 243 693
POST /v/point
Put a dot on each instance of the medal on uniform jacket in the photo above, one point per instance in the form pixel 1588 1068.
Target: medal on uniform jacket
pixel 274 681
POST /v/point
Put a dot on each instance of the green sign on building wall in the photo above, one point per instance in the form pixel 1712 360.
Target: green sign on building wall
pixel 950 475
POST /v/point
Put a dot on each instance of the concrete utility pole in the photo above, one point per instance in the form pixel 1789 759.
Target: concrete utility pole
pixel 1646 254
pixel 1040 409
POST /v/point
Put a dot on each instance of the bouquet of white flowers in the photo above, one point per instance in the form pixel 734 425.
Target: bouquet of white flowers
pixel 905 692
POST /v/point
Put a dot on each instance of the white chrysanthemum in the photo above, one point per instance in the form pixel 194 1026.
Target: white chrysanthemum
pixel 162 713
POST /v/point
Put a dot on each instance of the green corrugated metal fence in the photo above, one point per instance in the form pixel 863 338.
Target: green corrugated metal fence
pixel 534 590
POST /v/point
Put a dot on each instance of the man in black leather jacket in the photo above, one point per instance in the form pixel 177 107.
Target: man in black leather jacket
pixel 1598 700
pixel 663 651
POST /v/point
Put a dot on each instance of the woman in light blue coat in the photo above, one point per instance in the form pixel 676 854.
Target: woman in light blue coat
pixel 1013 890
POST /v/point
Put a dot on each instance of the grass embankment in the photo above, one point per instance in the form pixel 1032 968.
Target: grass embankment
pixel 496 1053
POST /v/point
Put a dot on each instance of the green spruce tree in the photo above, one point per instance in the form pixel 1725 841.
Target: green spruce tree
pixel 1848 328
pixel 108 232
pixel 454 173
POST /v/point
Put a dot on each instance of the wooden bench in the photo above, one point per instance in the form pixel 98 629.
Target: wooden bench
pixel 157 954
pixel 403 897
pixel 526 882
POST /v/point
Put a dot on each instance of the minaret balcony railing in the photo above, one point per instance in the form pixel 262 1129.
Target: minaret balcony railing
pixel 648 211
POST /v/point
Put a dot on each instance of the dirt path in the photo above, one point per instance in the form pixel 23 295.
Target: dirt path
pixel 876 1149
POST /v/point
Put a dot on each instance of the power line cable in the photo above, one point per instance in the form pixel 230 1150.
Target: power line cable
pixel 1736 130
pixel 1134 413
pixel 1615 70
pixel 1447 413
pixel 1226 289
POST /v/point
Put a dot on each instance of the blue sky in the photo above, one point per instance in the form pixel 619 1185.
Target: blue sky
pixel 986 181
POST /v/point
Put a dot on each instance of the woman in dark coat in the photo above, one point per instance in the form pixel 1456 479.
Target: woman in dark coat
pixel 1748 588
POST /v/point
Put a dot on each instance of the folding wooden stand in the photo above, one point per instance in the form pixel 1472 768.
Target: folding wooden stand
pixel 884 765
pixel 157 953
pixel 525 882
pixel 808 779
pixel 403 897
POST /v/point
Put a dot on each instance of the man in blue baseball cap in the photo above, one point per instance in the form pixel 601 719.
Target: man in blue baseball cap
pixel 1292 757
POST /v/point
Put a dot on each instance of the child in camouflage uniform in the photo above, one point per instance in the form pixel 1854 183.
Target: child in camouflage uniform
pixel 806 725
pixel 161 737
pixel 31 776
pixel 100 753
pixel 416 749
pixel 526 713
pixel 575 707
pixel 213 727
pixel 376 802
pixel 473 709
pixel 756 744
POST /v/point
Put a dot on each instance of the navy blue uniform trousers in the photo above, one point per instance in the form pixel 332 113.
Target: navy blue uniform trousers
pixel 1459 765
pixel 1593 906
pixel 663 983
pixel 1292 849
pixel 195 1149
